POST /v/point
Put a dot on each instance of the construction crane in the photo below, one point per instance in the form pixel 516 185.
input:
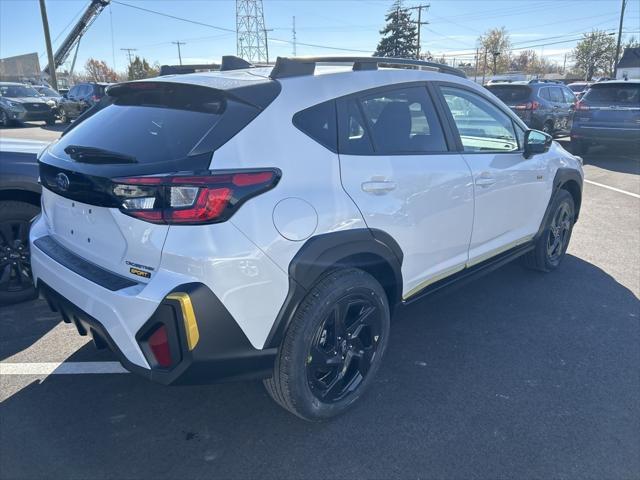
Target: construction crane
pixel 72 40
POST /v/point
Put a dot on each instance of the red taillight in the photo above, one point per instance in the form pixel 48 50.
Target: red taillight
pixel 95 98
pixel 582 106
pixel 527 106
pixel 159 345
pixel 191 199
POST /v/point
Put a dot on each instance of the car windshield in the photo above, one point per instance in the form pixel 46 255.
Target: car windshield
pixel 13 91
pixel 615 94
pixel 510 93
pixel 47 92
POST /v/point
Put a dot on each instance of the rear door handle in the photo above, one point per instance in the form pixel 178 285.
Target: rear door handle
pixel 378 187
pixel 485 181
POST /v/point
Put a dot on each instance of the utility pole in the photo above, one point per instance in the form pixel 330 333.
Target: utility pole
pixel 484 66
pixel 615 65
pixel 294 37
pixel 495 61
pixel 47 39
pixel 266 42
pixel 129 50
pixel 475 75
pixel 178 43
pixel 564 65
pixel 419 23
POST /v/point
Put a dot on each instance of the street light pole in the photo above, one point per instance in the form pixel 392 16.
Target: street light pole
pixel 47 38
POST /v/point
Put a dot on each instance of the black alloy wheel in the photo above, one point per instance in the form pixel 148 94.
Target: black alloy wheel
pixel 16 281
pixel 559 232
pixel 344 348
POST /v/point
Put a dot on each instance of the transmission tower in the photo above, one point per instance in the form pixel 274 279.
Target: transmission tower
pixel 250 31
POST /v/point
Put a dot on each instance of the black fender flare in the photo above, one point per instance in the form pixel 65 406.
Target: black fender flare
pixel 372 250
pixel 565 179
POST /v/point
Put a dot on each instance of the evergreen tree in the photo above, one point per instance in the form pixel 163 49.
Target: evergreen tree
pixel 139 68
pixel 400 34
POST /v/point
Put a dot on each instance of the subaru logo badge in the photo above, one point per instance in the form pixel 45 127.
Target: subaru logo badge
pixel 62 182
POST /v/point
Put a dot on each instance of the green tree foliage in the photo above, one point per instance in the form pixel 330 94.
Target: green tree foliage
pixel 400 34
pixel 497 46
pixel 139 68
pixel 595 54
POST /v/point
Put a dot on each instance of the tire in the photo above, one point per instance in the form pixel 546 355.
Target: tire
pixel 50 121
pixel 16 282
pixel 318 374
pixel 4 119
pixel 548 127
pixel 551 246
pixel 64 118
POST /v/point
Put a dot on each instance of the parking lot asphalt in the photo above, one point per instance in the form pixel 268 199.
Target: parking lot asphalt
pixel 518 375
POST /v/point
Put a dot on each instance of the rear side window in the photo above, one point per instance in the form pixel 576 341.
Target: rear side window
pixel 353 136
pixel 544 93
pixel 511 94
pixel 158 122
pixel 556 95
pixel 614 94
pixel 319 122
pixel 403 121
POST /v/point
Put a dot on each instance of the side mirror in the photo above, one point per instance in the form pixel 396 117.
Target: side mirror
pixel 536 142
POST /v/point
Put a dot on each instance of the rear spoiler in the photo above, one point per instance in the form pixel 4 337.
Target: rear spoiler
pixel 229 62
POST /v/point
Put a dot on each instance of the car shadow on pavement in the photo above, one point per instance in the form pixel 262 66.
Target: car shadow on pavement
pixel 520 374
pixel 23 324
pixel 622 160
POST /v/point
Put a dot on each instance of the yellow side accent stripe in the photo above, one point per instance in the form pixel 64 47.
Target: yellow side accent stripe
pixel 188 316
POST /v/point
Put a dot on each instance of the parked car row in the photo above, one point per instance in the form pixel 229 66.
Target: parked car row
pixel 21 103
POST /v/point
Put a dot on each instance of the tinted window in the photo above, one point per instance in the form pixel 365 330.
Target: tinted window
pixel 510 94
pixel 319 122
pixel 556 95
pixel 354 136
pixel 614 94
pixel 152 122
pixel 482 125
pixel 544 93
pixel 74 91
pixel 569 97
pixel 403 121
pixel 13 91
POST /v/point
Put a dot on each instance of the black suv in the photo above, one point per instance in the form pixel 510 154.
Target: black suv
pixel 80 98
pixel 543 105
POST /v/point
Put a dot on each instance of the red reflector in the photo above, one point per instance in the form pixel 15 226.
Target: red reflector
pixel 210 204
pixel 159 344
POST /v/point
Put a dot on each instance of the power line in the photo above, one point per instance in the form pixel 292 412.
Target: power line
pixel 420 23
pixel 129 50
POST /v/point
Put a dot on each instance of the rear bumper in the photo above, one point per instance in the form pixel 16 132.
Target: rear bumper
pixel 222 352
pixel 122 320
pixel 606 134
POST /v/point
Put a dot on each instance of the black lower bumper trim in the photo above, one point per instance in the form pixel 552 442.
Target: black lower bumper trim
pixel 223 352
pixel 78 265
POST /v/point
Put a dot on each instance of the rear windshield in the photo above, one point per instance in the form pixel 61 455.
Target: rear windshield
pixel 614 94
pixel 14 91
pixel 510 93
pixel 153 123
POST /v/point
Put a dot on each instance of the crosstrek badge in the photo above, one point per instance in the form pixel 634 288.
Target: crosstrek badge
pixel 140 273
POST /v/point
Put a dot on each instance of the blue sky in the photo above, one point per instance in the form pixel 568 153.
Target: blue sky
pixel 349 24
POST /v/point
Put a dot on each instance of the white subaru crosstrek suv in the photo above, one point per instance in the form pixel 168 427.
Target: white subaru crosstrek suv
pixel 267 222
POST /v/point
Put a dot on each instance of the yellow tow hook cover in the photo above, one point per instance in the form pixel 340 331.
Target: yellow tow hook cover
pixel 188 316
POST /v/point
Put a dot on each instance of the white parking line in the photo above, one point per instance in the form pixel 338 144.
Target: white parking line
pixel 631 194
pixel 60 368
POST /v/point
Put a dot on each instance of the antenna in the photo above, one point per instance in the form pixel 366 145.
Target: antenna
pixel 251 34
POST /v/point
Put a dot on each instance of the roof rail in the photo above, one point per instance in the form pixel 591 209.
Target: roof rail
pixel 231 62
pixel 182 69
pixel 298 66
pixel 543 80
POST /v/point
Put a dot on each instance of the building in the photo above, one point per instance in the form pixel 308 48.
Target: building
pixel 629 65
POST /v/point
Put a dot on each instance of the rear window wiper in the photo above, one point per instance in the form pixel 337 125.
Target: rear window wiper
pixel 97 155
